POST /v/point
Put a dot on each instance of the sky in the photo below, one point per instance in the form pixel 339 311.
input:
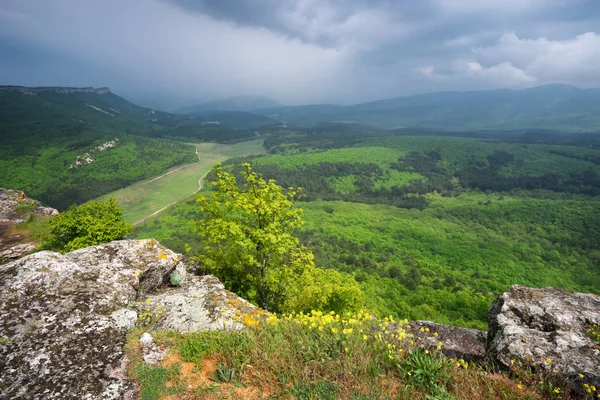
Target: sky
pixel 173 53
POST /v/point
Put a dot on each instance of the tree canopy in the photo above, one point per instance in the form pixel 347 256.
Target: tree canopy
pixel 249 243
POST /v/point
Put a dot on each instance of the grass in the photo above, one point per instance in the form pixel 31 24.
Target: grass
pixel 326 356
pixel 145 198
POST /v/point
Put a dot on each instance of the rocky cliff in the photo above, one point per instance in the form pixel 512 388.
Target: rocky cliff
pixel 57 89
pixel 15 207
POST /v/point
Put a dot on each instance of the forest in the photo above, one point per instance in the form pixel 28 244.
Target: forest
pixel 433 227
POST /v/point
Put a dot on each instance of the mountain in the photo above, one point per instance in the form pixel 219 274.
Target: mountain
pixel 554 107
pixel 68 145
pixel 237 103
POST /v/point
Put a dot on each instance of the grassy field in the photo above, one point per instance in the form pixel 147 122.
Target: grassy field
pixel 143 199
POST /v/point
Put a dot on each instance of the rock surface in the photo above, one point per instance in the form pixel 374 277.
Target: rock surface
pixel 465 343
pixel 10 200
pixel 201 303
pixel 15 207
pixel 64 318
pixel 546 328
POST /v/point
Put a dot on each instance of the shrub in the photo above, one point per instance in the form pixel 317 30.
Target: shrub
pixel 89 224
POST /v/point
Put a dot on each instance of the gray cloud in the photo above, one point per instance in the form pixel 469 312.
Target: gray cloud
pixel 172 52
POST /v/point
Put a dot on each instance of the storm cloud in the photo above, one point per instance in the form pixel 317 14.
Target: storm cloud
pixel 170 53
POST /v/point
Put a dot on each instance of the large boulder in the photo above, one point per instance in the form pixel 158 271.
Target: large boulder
pixel 547 329
pixel 64 318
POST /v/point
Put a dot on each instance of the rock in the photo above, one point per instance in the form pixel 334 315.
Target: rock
pixel 65 318
pixel 11 202
pixel 146 339
pixel 14 208
pixel 17 251
pixel 201 303
pixel 548 329
pixel 151 353
pixel 465 343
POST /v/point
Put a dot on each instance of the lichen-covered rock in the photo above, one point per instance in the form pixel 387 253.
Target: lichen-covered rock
pixel 17 251
pixel 201 303
pixel 547 328
pixel 63 318
pixel 465 343
pixel 15 206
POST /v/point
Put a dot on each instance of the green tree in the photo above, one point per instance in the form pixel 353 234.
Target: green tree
pixel 249 244
pixel 88 224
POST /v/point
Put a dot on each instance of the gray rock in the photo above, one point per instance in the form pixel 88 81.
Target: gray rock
pixel 10 200
pixel 532 326
pixel 17 251
pixel 66 317
pixel 465 343
pixel 201 303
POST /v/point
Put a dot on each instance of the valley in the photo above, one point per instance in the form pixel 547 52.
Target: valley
pixel 144 199
pixel 433 224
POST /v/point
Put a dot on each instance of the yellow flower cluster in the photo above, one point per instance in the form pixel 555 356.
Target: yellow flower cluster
pixel 392 337
pixel 589 388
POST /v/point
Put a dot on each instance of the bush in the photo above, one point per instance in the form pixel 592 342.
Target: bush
pixel 89 224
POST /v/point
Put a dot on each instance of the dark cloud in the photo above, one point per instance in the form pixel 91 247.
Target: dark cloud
pixel 171 52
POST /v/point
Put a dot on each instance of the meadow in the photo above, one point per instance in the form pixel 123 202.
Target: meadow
pixel 142 199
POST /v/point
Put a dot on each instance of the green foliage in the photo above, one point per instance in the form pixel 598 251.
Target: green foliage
pixel 223 374
pixel 248 239
pixel 175 278
pixel 451 248
pixel 88 224
pixel 426 371
pixel 153 380
pixel 594 333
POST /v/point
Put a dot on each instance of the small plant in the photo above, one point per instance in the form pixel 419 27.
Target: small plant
pixel 423 370
pixel 223 374
pixel 153 380
pixel 150 316
pixel 4 341
pixel 175 278
pixel 26 207
pixel 594 333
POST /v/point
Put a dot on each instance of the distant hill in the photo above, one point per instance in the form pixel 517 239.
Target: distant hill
pixel 237 103
pixel 554 107
pixel 68 145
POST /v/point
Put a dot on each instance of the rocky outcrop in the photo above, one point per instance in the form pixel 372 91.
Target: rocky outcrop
pixel 15 207
pixel 64 318
pixel 548 329
pixel 465 343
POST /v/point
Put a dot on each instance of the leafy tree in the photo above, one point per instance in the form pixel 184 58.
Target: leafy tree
pixel 88 224
pixel 249 244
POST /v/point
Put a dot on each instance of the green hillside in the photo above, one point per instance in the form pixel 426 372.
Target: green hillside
pixel 554 107
pixel 69 145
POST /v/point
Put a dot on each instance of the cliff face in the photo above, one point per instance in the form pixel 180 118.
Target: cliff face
pixel 58 89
